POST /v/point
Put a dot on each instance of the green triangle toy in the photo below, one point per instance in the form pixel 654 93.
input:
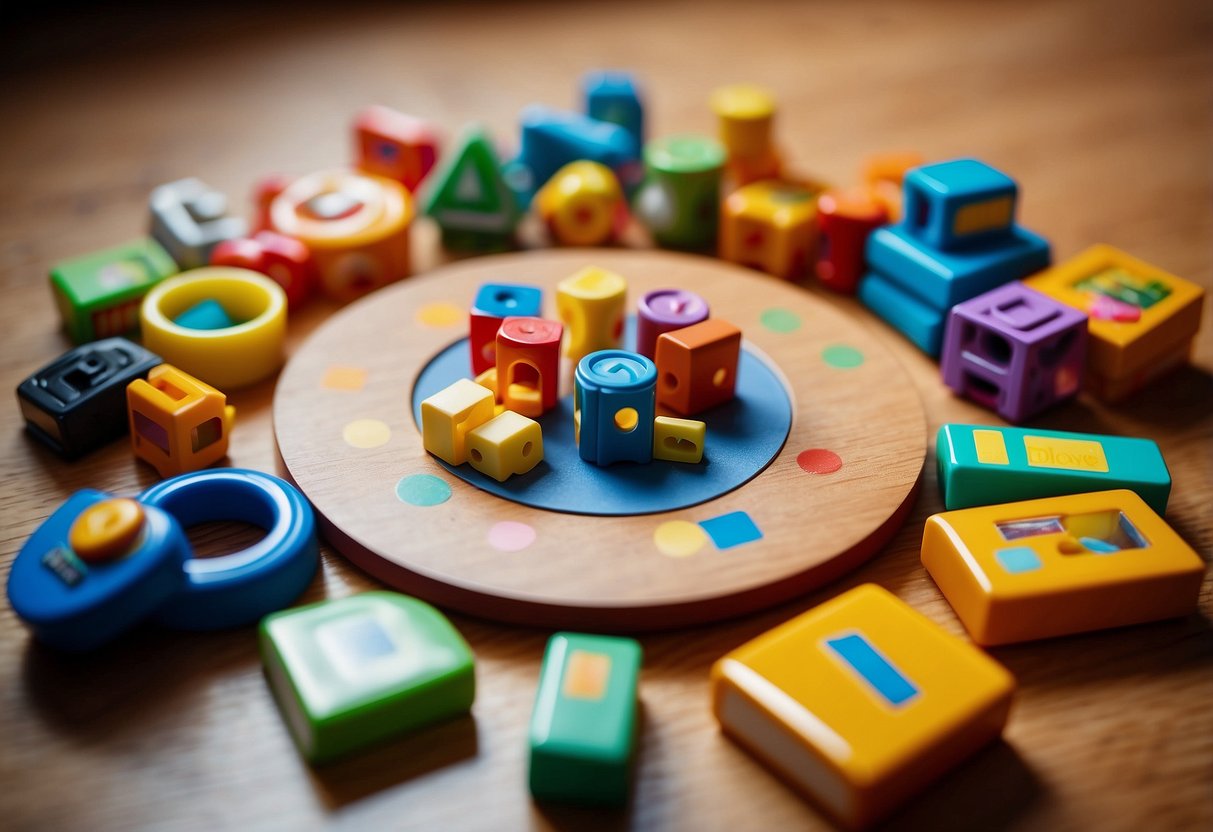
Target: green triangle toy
pixel 470 200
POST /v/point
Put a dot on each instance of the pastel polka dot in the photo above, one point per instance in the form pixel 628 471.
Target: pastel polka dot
pixel 344 378
pixel 819 461
pixel 780 320
pixel 423 490
pixel 679 538
pixel 366 433
pixel 511 536
pixel 441 314
pixel 842 357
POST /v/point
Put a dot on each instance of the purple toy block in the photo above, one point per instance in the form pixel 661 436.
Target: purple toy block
pixel 665 310
pixel 1014 350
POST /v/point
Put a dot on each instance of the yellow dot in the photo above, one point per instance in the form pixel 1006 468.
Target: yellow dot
pixel 679 538
pixel 105 530
pixel 366 433
pixel 441 314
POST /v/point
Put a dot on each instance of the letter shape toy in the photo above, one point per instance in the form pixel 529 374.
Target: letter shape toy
pixel 189 219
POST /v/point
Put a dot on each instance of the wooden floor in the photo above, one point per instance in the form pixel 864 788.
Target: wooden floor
pixel 1102 112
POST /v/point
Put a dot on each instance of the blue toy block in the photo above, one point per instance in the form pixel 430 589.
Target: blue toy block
pixel 207 314
pixel 921 323
pixel 615 97
pixel 957 204
pixel 614 404
pixel 508 300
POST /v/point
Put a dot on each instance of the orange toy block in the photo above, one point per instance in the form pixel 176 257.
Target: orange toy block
pixel 697 366
pixel 178 423
pixel 528 365
pixel 883 174
pixel 395 146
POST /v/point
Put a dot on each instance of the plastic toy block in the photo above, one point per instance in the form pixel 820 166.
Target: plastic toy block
pixel 98 295
pixel 678 440
pixel 265 191
pixel 582 205
pixel 77 403
pixel 1061 565
pixel 283 259
pixel 665 310
pixel 1126 351
pixel 845 218
pixel 448 416
pixel 584 726
pixel 884 173
pixel 1015 351
pixel 528 365
pixel 771 226
pixel 189 219
pixel 591 305
pixel 177 422
pixel 469 198
pixel 698 366
pixel 959 204
pixel 615 97
pixel 356 671
pixel 920 322
pixel 207 314
pixel 679 202
pixel 614 405
pixel 493 304
pixel 983 465
pixel 505 445
pixel 745 115
pixel 395 146
pixel 860 702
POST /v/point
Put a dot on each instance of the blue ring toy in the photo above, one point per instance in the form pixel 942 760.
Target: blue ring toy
pixel 239 588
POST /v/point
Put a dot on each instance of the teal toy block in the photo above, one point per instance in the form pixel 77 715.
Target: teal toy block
pixel 615 97
pixel 985 465
pixel 207 314
pixel 583 730
pixel 358 670
pixel 469 198
pixel 923 324
pixel 958 204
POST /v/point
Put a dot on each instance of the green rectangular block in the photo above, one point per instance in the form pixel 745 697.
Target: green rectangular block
pixel 982 465
pixel 98 295
pixel 583 729
pixel 358 670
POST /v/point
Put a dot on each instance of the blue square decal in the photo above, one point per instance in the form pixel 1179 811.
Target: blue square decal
pixel 729 530
pixel 1018 559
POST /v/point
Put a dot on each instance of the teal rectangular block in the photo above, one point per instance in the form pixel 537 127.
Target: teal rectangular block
pixel 583 729
pixel 986 465
pixel 921 323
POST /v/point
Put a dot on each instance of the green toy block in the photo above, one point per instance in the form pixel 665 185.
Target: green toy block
pixel 470 200
pixel 583 730
pixel 352 672
pixel 98 295
pixel 680 200
pixel 981 465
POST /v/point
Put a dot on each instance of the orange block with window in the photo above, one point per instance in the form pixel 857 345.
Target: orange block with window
pixel 178 423
pixel 697 366
pixel 528 365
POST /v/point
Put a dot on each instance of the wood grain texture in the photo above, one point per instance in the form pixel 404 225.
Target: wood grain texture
pixel 1100 110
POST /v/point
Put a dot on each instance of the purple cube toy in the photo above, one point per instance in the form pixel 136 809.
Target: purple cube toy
pixel 1014 350
pixel 665 310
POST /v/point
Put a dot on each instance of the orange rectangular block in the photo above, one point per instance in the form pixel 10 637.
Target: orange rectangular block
pixel 697 366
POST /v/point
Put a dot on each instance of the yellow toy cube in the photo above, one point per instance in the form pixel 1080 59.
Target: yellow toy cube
pixel 771 226
pixel 591 306
pixel 448 416
pixel 1043 568
pixel 178 423
pixel 505 445
pixel 860 702
pixel 678 440
pixel 582 204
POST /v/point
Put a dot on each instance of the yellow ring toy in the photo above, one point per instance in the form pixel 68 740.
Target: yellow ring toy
pixel 227 358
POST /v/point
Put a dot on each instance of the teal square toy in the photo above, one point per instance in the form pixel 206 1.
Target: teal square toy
pixel 352 672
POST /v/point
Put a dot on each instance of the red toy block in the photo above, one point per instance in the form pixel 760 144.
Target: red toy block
pixel 846 218
pixel 283 259
pixel 697 366
pixel 528 365
pixel 264 192
pixel 394 145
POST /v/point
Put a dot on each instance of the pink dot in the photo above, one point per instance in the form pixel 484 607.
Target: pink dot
pixel 509 536
pixel 819 461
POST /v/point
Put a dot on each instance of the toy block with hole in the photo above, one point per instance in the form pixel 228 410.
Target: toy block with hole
pixel 448 416
pixel 615 97
pixel 678 440
pixel 469 199
pixel 845 219
pixel 884 175
pixel 98 295
pixel 745 115
pixel 582 205
pixel 861 702
pixel 505 445
pixel 1061 565
pixel 614 405
pixel 493 304
pixel 665 310
pixel 395 146
pixel 698 366
pixel 189 219
pixel 591 305
pixel 528 365
pixel 982 465
pixel 584 727
pixel 1015 351
pixel 283 259
pixel 679 202
pixel 1143 320
pixel 770 226
pixel 177 422
pixel 352 672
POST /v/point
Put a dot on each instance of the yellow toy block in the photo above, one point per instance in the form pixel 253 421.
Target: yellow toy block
pixel 1043 568
pixel 1142 320
pixel 771 226
pixel 178 423
pixel 860 702
pixel 678 440
pixel 448 416
pixel 591 306
pixel 582 204
pixel 505 445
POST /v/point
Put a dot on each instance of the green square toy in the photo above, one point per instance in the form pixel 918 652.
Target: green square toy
pixel 98 295
pixel 583 730
pixel 351 672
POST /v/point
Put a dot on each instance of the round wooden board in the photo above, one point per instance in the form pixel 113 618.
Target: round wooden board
pixel 581 571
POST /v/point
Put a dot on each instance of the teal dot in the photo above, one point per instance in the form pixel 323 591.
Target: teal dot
pixel 780 320
pixel 423 490
pixel 841 356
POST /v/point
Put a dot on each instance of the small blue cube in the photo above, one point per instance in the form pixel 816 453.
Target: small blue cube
pixel 957 204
